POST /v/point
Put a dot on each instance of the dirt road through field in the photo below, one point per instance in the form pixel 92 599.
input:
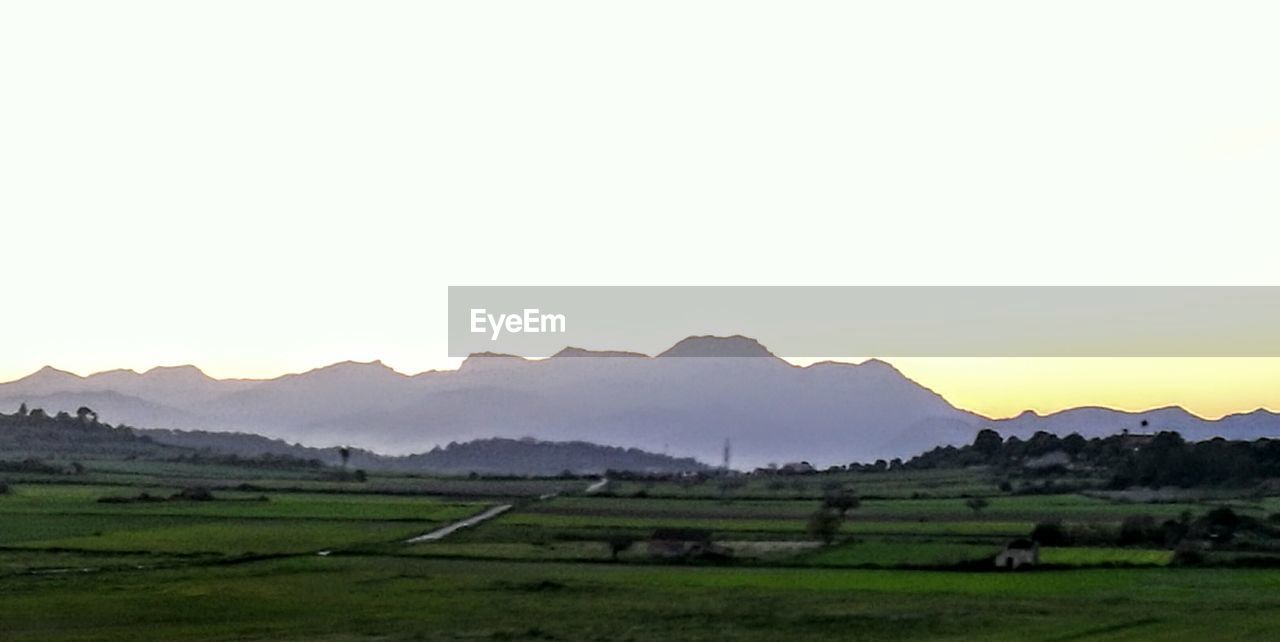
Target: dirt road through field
pixel 442 533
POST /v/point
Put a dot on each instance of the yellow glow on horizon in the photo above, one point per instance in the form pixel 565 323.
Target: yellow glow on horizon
pixel 1003 387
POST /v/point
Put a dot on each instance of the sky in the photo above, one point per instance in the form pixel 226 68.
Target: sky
pixel 260 187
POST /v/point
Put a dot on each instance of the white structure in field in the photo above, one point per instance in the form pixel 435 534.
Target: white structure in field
pixel 1019 553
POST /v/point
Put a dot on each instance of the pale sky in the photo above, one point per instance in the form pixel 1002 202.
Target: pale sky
pixel 260 187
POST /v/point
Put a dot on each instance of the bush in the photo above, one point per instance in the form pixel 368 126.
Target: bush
pixel 1174 531
pixel 194 494
pixel 1188 553
pixel 824 524
pixel 1219 524
pixel 840 499
pixel 1137 530
pixel 977 504
pixel 4 488
pixel 1051 533
pixel 619 543
pixel 119 499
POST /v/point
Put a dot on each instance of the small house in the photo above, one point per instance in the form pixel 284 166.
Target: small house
pixel 1018 553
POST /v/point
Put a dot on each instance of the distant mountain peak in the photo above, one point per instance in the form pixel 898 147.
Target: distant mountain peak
pixel 376 364
pixel 185 371
pixel 713 346
pixel 484 359
pixel 583 352
pixel 50 373
pixel 345 369
pixel 876 363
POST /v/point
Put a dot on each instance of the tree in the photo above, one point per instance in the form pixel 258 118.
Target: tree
pixel 1051 533
pixel 22 410
pixel 86 415
pixel 988 442
pixel 824 524
pixel 841 499
pixel 976 504
pixel 345 453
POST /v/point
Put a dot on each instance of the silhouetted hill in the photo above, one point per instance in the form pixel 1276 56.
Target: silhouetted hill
pixel 485 456
pixel 35 434
pixel 532 457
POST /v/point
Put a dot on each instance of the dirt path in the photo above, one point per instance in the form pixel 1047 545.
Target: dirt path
pixel 479 518
pixel 441 533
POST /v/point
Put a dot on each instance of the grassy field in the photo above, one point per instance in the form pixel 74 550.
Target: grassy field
pixel 346 598
pixel 298 556
pixel 70 517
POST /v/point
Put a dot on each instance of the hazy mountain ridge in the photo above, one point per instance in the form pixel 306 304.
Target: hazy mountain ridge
pixel 771 410
pixel 1097 421
pixel 484 456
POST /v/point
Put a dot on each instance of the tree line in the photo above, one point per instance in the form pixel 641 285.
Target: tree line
pixel 1126 460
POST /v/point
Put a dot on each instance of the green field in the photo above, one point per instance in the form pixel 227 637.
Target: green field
pixel 70 517
pixel 369 598
pixel 296 556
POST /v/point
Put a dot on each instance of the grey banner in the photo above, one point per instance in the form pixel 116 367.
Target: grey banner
pixel 803 322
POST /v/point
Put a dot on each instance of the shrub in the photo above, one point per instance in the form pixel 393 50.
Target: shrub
pixel 1051 533
pixel 824 524
pixel 194 494
pixel 1188 553
pixel 977 504
pixel 840 499
pixel 1174 531
pixel 1219 524
pixel 618 543
pixel 1140 529
pixel 120 499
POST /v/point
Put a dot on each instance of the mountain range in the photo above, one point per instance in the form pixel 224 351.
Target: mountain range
pixel 687 400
